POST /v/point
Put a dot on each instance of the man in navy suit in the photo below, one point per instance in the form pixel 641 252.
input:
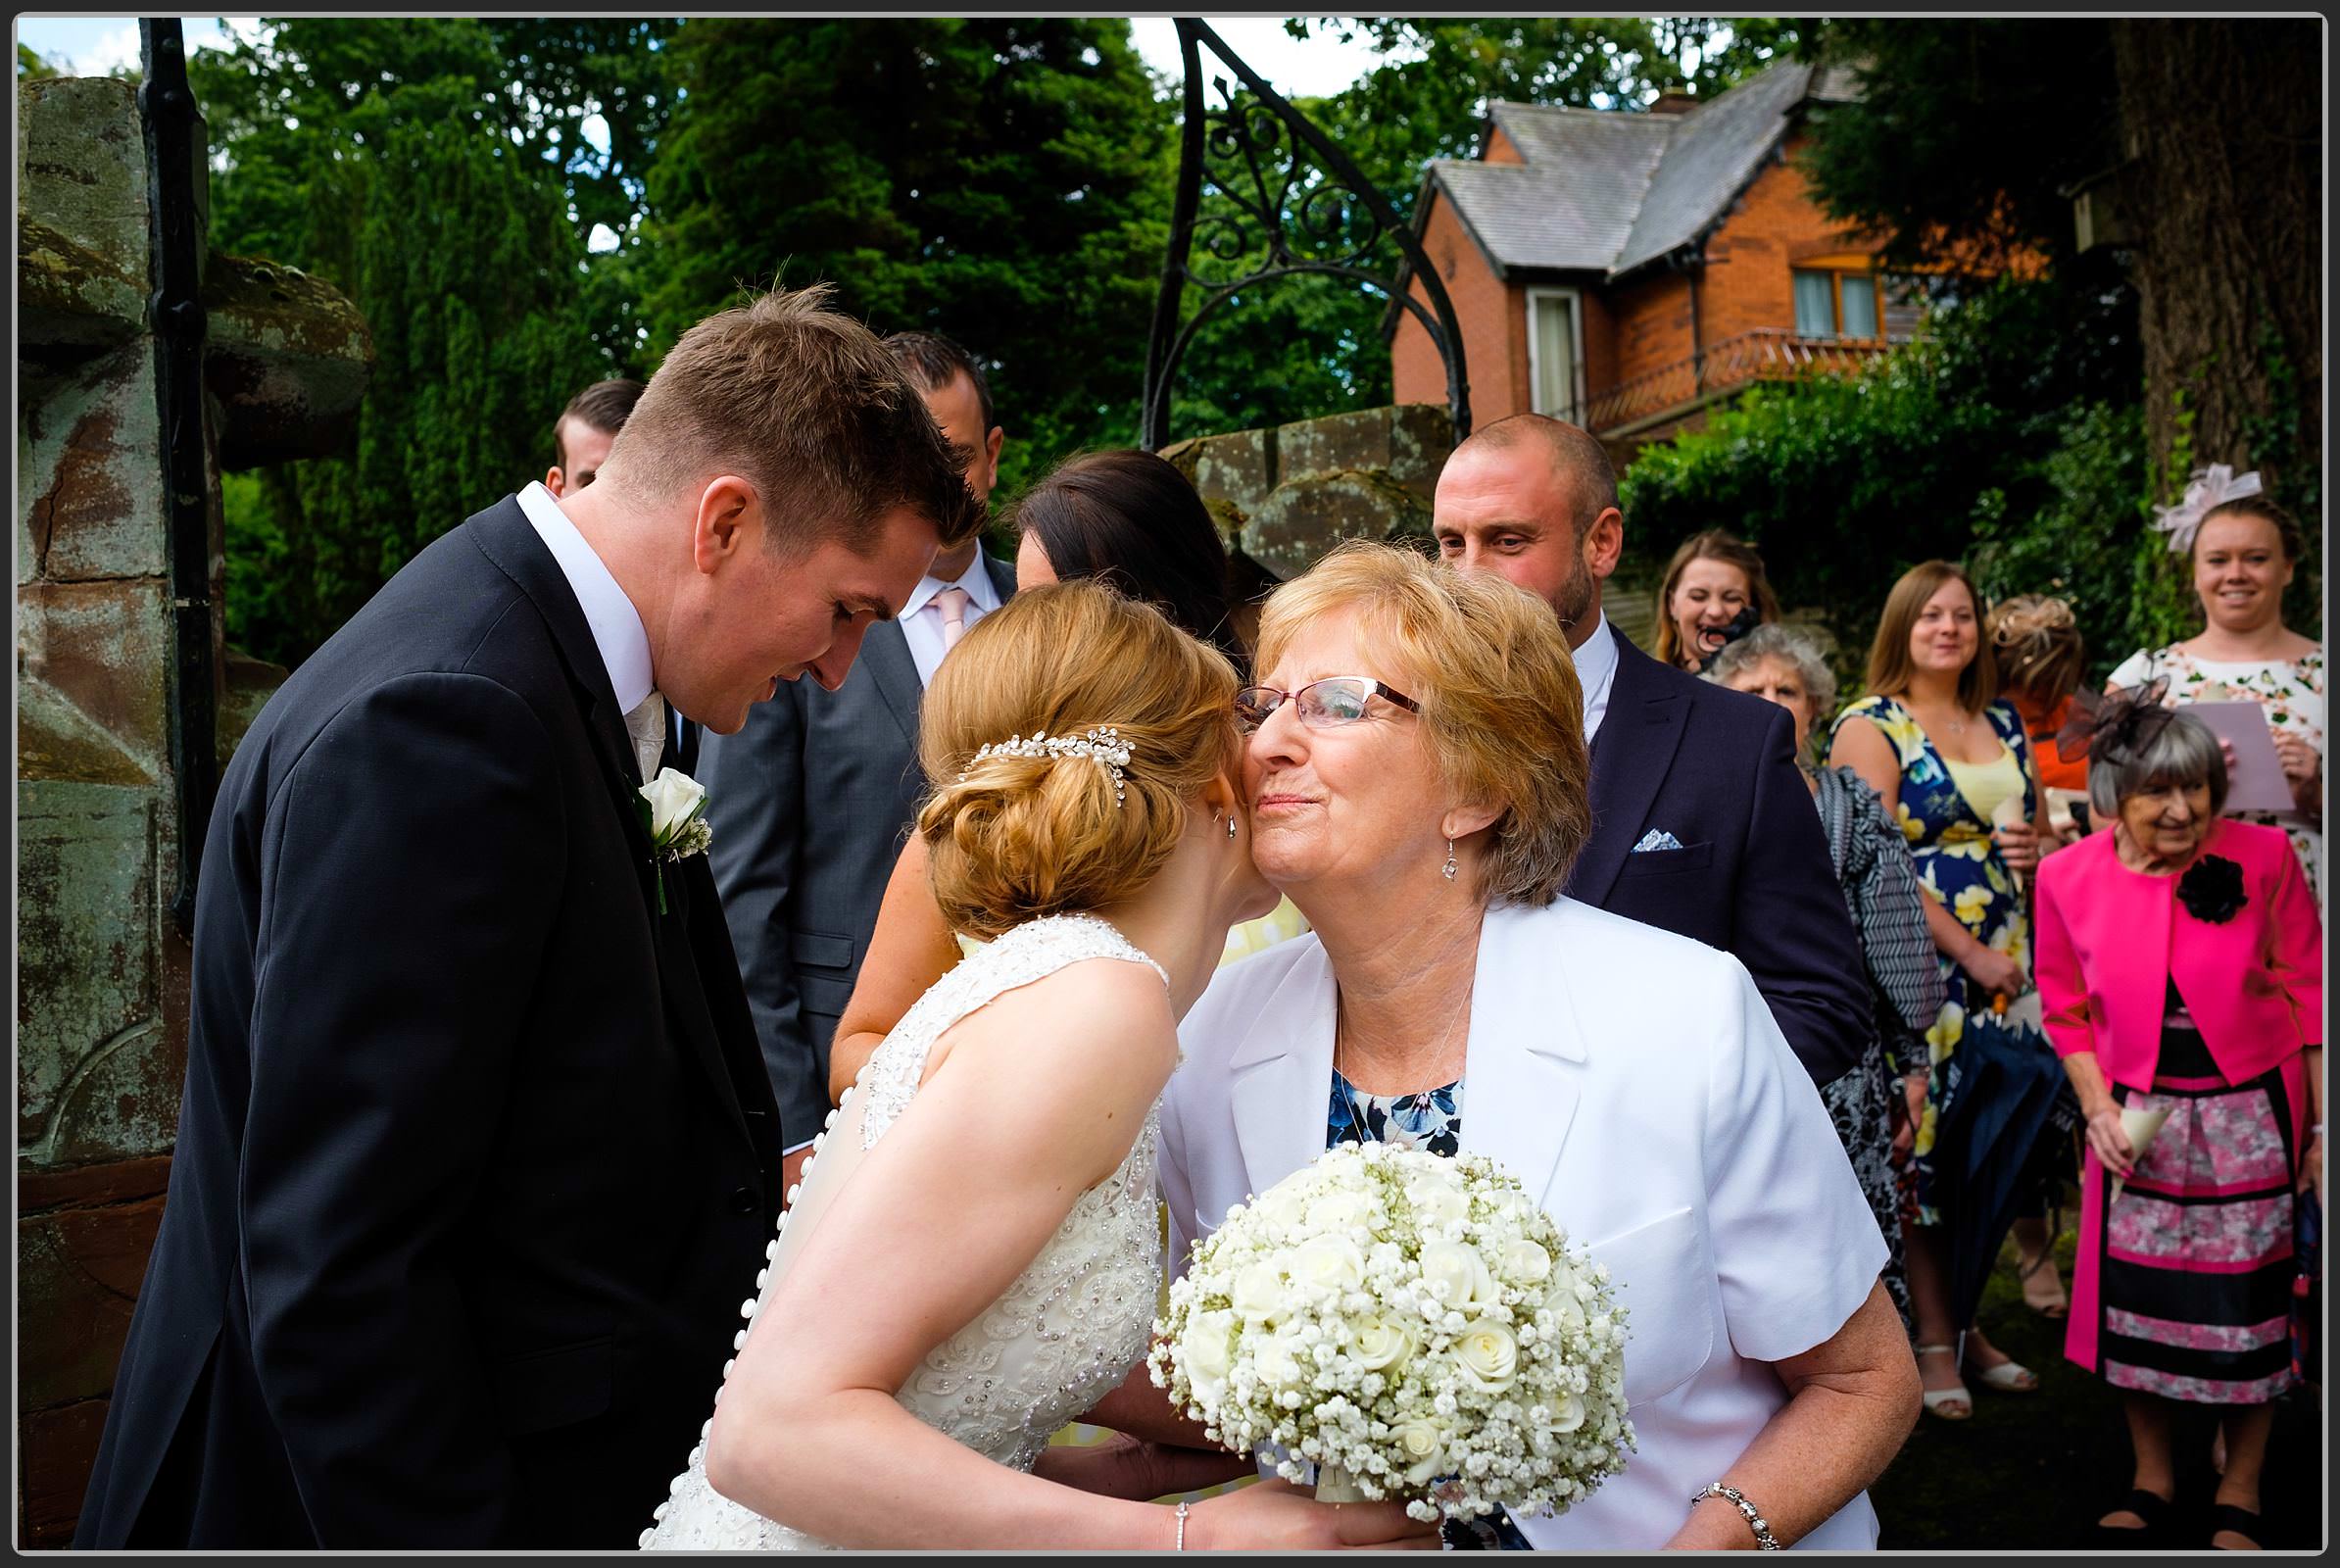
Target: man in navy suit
pixel 1702 823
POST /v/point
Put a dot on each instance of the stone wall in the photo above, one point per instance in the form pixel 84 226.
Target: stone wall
pixel 102 973
pixel 1284 496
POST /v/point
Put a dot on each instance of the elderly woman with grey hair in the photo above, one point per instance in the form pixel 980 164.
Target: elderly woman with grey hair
pixel 1876 1106
pixel 2182 976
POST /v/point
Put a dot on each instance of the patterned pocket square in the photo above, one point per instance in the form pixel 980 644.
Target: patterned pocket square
pixel 1656 840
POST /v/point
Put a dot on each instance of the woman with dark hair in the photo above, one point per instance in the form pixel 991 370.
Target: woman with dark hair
pixel 2181 973
pixel 2245 551
pixel 1950 762
pixel 1133 521
pixel 1714 588
pixel 1125 519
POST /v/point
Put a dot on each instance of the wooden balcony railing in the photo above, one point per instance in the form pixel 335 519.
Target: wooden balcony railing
pixel 1764 353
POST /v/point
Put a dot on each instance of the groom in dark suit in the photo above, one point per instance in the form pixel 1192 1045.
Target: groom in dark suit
pixel 1702 823
pixel 477 1159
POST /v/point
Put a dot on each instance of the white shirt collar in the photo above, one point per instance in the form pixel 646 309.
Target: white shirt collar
pixel 615 624
pixel 1596 669
pixel 976 580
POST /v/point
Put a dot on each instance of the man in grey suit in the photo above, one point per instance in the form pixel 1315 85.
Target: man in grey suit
pixel 812 799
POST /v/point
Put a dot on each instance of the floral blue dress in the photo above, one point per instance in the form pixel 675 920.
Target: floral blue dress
pixel 1958 864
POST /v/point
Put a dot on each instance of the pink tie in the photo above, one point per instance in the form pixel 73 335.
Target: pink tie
pixel 952 603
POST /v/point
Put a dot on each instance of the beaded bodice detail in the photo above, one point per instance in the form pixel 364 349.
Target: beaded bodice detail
pixel 1062 1335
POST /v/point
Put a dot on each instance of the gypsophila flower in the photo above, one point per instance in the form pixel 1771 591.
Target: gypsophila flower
pixel 1413 1323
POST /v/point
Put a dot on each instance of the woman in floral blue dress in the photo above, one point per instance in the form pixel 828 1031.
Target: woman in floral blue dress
pixel 1952 764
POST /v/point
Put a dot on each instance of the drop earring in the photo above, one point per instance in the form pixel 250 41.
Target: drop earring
pixel 1448 870
pixel 1230 827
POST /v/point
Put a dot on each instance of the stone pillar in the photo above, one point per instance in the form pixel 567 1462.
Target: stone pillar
pixel 102 974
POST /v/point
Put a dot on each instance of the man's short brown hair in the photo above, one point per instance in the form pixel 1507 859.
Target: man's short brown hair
pixel 805 404
pixel 604 406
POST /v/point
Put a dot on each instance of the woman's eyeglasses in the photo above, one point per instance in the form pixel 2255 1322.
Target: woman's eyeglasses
pixel 1326 704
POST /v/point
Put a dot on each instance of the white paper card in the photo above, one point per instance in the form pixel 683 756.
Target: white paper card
pixel 2256 782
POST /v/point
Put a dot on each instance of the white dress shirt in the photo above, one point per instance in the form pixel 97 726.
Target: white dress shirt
pixel 922 617
pixel 1597 670
pixel 615 624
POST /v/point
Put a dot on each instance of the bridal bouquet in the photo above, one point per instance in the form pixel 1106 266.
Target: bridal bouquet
pixel 1415 1325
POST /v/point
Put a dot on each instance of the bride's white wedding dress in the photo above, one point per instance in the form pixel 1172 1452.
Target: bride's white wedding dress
pixel 1062 1335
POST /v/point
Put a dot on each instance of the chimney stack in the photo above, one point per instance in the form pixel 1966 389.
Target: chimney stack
pixel 1674 103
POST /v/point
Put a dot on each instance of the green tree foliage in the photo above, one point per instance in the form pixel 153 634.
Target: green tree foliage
pixel 392 159
pixel 30 67
pixel 1988 439
pixel 1001 180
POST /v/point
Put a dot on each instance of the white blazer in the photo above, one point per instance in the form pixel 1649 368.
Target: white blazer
pixel 1634 1082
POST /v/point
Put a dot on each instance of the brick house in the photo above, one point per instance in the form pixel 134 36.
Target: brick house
pixel 1627 271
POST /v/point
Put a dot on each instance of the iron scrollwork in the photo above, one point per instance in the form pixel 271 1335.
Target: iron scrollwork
pixel 1289 202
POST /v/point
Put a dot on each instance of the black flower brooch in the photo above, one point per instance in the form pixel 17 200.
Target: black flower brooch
pixel 2212 890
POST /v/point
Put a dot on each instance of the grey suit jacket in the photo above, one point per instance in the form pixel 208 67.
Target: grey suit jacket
pixel 809 804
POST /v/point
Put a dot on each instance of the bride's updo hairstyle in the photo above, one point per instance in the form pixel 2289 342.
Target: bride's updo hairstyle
pixel 1012 837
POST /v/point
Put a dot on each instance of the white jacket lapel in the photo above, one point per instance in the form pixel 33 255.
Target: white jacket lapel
pixel 1523 1066
pixel 1281 1076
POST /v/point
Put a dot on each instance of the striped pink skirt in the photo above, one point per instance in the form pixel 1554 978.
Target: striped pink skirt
pixel 2183 1288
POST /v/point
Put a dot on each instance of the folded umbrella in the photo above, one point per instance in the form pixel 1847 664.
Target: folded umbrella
pixel 2000 1095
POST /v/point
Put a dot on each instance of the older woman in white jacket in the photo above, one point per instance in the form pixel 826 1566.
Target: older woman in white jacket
pixel 1418 780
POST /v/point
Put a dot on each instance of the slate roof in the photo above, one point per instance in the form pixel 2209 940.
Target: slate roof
pixel 1607 191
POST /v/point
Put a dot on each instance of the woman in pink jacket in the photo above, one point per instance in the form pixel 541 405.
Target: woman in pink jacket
pixel 2180 963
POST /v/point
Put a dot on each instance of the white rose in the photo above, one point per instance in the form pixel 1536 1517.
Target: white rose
pixel 1329 1262
pixel 1523 1261
pixel 1281 1208
pixel 1206 1355
pixel 1277 1364
pixel 1376 1344
pixel 673 797
pixel 1338 1212
pixel 1437 1204
pixel 1454 1273
pixel 1258 1295
pixel 1488 1354
pixel 1568 1414
pixel 1422 1448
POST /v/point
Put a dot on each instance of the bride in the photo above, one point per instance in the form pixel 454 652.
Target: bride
pixel 973 1257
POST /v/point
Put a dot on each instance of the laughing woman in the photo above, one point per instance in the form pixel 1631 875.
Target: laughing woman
pixel 2181 973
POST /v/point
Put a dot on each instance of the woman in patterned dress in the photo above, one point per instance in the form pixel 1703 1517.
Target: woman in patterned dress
pixel 1952 764
pixel 1876 1106
pixel 2181 970
pixel 2244 556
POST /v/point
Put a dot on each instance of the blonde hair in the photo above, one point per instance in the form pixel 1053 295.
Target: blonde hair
pixel 1015 838
pixel 2037 645
pixel 1501 708
pixel 1711 544
pixel 1890 665
pixel 807 405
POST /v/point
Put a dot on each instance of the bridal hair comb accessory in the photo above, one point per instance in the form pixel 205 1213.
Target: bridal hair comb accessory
pixel 1104 747
pixel 2119 725
pixel 2205 491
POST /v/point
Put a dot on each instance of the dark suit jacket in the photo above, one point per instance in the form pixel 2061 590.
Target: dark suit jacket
pixel 475 1162
pixel 810 802
pixel 1715 768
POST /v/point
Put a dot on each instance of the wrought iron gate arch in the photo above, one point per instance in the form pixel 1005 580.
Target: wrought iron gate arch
pixel 1324 212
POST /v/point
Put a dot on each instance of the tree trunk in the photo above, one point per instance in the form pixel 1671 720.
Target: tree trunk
pixel 2223 121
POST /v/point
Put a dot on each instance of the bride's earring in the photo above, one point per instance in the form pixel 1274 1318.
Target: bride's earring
pixel 1448 870
pixel 1230 827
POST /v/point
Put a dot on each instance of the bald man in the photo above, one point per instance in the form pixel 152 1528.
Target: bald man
pixel 1701 822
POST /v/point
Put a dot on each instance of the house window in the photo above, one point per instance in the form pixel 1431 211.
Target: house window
pixel 1556 352
pixel 1835 304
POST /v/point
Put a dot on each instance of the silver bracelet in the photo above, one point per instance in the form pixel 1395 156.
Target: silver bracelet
pixel 1182 1527
pixel 1763 1541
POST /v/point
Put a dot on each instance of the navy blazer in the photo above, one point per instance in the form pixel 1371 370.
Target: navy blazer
pixel 1715 768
